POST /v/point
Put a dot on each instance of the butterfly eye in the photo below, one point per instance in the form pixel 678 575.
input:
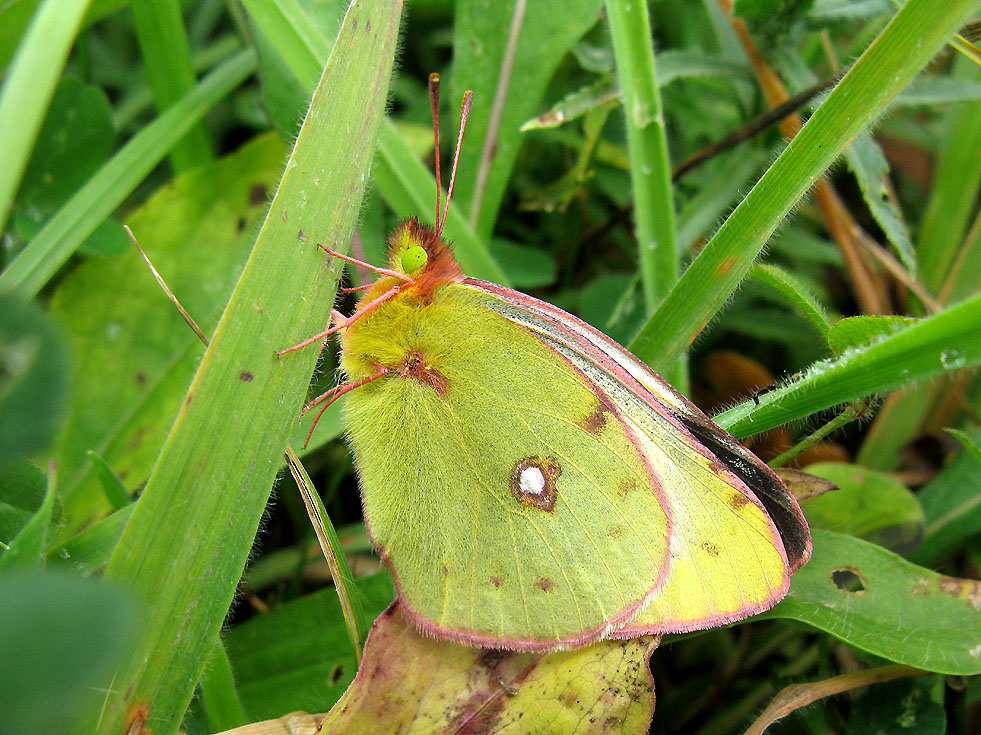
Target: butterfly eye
pixel 414 258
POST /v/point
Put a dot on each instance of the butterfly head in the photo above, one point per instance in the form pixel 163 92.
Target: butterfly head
pixel 420 253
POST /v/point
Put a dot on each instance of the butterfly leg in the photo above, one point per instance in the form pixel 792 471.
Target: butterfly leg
pixel 332 395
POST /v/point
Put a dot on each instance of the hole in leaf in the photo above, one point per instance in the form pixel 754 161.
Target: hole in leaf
pixel 848 580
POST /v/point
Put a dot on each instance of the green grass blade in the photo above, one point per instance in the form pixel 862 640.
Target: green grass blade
pixel 28 89
pixel 954 196
pixel 938 345
pixel 115 181
pixel 189 538
pixel 796 294
pixel 167 58
pixel 904 46
pixel 647 144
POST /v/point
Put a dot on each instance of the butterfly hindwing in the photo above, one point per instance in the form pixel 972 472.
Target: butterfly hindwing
pixel 506 490
pixel 728 556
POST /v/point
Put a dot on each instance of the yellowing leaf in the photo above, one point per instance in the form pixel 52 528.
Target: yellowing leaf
pixel 412 684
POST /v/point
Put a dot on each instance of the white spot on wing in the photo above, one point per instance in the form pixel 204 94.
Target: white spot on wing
pixel 532 481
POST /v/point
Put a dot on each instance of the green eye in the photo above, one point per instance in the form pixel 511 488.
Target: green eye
pixel 414 258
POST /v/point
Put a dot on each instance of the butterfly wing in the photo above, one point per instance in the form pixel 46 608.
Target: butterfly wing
pixel 737 533
pixel 508 493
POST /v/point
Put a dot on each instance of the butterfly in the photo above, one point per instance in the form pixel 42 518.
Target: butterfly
pixel 530 483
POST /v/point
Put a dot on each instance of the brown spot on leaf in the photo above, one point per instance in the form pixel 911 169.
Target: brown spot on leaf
pixel 726 265
pixel 240 224
pixel 968 590
pixel 545 584
pixel 496 581
pixel 335 674
pixel 245 376
pixel 301 236
pixel 533 482
pixel 258 194
pixel 445 571
pixel 140 378
pixel 136 716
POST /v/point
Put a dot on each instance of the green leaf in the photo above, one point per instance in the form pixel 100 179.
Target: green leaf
pixel 76 139
pixel 33 377
pixel 26 548
pixel 135 355
pixel 29 85
pixel 166 55
pixel 889 63
pixel 928 91
pixel 216 469
pixel 88 551
pixel 952 505
pixel 868 504
pixel 796 293
pixel 22 493
pixel 526 267
pixel 298 656
pixel 441 687
pixel 64 634
pixel 879 602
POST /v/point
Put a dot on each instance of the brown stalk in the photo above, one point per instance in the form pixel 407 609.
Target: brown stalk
pixel 792 698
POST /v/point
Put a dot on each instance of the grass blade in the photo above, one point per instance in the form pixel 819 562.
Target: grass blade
pixel 30 84
pixel 167 58
pixel 216 470
pixel 940 344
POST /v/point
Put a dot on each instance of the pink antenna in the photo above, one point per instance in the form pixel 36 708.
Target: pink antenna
pixel 464 115
pixel 434 103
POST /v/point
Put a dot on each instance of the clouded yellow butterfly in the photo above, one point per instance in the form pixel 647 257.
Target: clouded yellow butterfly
pixel 533 485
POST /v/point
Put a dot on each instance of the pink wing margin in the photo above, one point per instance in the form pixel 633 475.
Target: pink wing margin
pixel 588 342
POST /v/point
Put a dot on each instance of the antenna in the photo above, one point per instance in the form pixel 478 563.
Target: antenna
pixel 464 114
pixel 434 103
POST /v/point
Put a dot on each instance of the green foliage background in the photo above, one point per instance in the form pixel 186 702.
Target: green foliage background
pixel 140 561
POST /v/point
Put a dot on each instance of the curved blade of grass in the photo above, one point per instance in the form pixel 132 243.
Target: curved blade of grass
pixel 29 86
pixel 940 344
pixel 214 475
pixel 330 545
pixel 405 184
pixel 115 181
pixel 905 45
pixel 796 294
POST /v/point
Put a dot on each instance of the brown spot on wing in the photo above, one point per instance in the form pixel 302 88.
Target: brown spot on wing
pixel 596 420
pixel 738 500
pixel 544 584
pixel 496 581
pixel 414 366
